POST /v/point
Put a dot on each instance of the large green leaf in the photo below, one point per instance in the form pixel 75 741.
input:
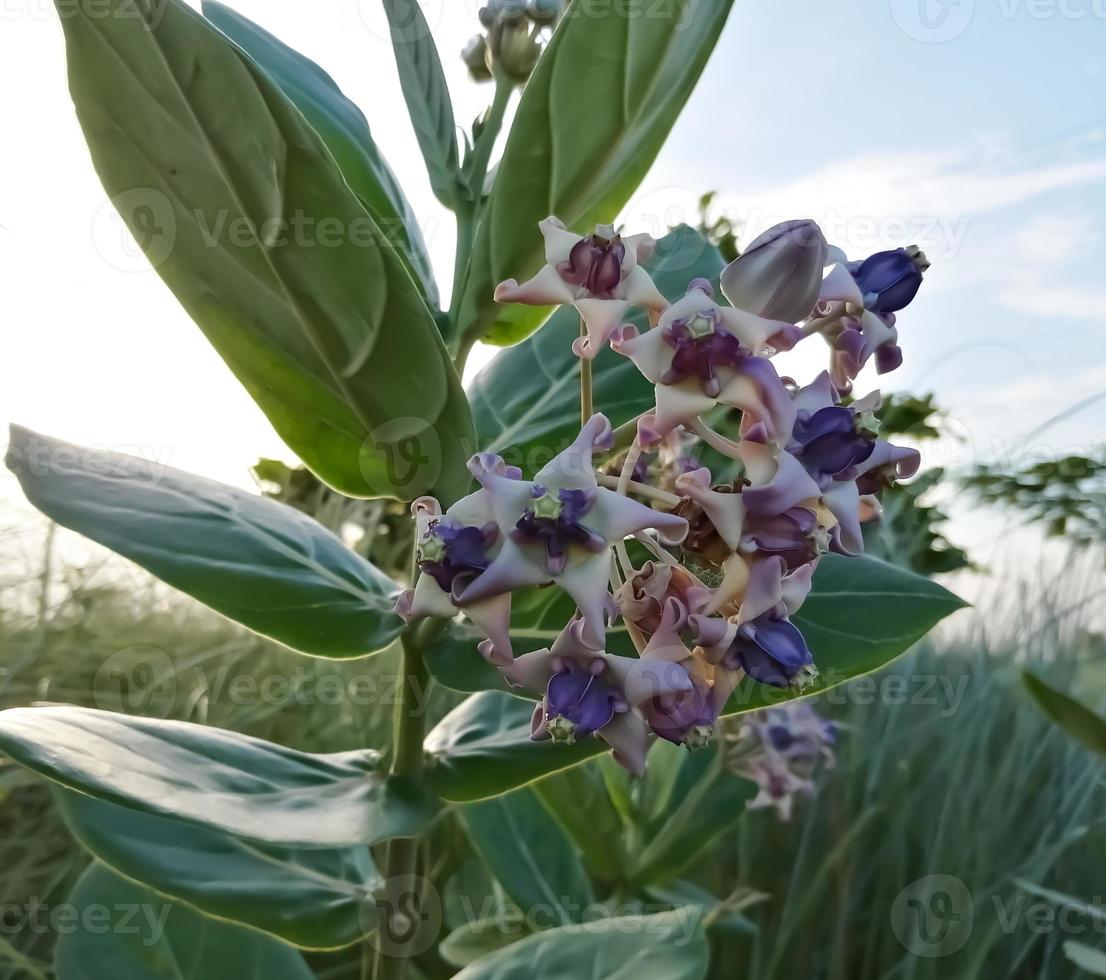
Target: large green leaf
pixel 530 857
pixel 345 131
pixel 861 615
pixel 127 931
pixel 693 823
pixel 314 898
pixel 214 778
pixel 426 94
pixel 666 946
pixel 245 215
pixel 261 563
pixel 592 118
pixel 482 748
pixel 1076 719
pixel 578 799
pixel 525 402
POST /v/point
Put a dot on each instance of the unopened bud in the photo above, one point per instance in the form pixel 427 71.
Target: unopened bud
pixel 779 275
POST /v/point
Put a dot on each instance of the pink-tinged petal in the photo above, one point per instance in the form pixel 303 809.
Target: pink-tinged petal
pixel 615 517
pixel 602 317
pixel 839 286
pixel 539 725
pixel 869 403
pixel 649 351
pixel 586 582
pixel 531 671
pixel 547 288
pixel 493 617
pixel 876 333
pixel 725 510
pixel 757 390
pixel 904 461
pixel 640 290
pixel 796 587
pixel 870 508
pixel 650 677
pixel 572 469
pixel 507 496
pixel 429 599
pixel 665 643
pixel 710 631
pixel 475 510
pixel 572 643
pixel 628 736
pixel 843 500
pixel 765 589
pixel 639 248
pixel 559 242
pixel 402 608
pixel 679 404
pixel 511 569
pixel 817 395
pixel 788 486
pixel 755 332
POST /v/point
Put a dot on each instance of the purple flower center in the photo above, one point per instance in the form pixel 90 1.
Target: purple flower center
pixel 555 523
pixel 770 650
pixel 702 346
pixel 453 555
pixel 577 696
pixel 595 263
pixel 793 535
pixel 829 443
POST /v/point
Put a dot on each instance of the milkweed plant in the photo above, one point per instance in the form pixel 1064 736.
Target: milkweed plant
pixel 631 536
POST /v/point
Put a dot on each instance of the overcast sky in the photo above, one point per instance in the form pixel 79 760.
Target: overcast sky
pixel 974 129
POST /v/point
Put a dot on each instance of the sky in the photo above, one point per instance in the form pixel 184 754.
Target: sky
pixel 974 129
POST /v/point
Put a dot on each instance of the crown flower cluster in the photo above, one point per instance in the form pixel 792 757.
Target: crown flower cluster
pixel 703 575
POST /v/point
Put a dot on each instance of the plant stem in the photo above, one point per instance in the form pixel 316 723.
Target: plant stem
pixel 587 404
pixel 401 862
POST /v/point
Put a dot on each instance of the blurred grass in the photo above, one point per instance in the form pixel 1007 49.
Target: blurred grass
pixel 976 785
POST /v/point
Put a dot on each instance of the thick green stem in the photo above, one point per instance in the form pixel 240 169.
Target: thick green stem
pixel 401 863
pixel 587 402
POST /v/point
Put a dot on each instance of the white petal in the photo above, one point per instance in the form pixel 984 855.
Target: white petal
pixel 601 318
pixel 511 569
pixel 586 580
pixel 649 351
pixel 572 469
pixel 628 736
pixel 547 288
pixel 559 242
pixel 615 516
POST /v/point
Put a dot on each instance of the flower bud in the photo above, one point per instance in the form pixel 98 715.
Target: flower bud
pixel 890 280
pixel 511 11
pixel 475 56
pixel 778 276
pixel 543 11
pixel 487 15
pixel 517 52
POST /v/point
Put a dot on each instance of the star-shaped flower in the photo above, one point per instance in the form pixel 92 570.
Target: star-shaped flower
pixel 702 354
pixel 586 691
pixel 560 526
pixel 598 274
pixel 452 550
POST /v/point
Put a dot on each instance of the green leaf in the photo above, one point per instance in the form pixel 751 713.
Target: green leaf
pixel 213 778
pixel 693 824
pixel 473 940
pixel 125 930
pixel 345 131
pixel 525 402
pixel 242 210
pixel 578 800
pixel 1086 958
pixel 592 118
pixel 258 562
pixel 861 615
pixel 427 96
pixel 1076 719
pixel 313 898
pixel 667 946
pixel 482 748
pixel 530 857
